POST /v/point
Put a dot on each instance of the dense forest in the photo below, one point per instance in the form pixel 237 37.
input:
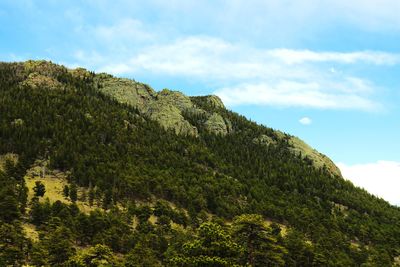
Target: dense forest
pixel 157 198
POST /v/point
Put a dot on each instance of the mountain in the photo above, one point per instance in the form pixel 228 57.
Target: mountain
pixel 103 171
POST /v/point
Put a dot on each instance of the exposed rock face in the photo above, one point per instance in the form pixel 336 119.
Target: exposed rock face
pixel 319 160
pixel 165 107
pixel 264 140
pixel 215 101
pixel 176 98
pixel 36 80
pixel 216 124
pixel 299 147
pixel 170 117
pixel 127 91
pixel 80 73
pixel 43 74
pixel 45 68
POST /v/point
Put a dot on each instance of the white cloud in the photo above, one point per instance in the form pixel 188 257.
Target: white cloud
pixel 381 178
pixel 243 74
pixel 300 56
pixel 368 15
pixel 305 121
pixel 298 94
pixel 373 15
pixel 213 57
pixel 125 30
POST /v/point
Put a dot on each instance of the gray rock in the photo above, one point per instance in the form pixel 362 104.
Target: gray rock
pixel 215 101
pixel 216 124
pixel 264 140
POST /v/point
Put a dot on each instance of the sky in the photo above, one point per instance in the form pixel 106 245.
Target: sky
pixel 325 71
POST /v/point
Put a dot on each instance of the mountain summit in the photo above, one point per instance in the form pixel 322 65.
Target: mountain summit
pixel 102 170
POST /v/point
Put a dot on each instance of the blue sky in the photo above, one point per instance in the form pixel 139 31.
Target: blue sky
pixel 326 71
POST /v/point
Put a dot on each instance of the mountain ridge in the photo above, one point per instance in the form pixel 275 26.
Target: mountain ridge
pixel 121 142
pixel 166 107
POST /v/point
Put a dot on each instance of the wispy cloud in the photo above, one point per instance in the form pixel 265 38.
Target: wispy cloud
pixel 301 56
pixel 124 31
pixel 296 94
pixel 381 178
pixel 242 74
pixel 305 121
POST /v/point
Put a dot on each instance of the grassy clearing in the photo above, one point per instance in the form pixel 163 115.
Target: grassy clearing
pixel 54 182
pixel 54 188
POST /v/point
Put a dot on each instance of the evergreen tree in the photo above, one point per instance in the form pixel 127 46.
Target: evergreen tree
pixel 99 255
pixel 8 205
pixel 12 245
pixel 261 248
pixel 73 192
pixel 66 191
pixel 212 247
pixel 39 256
pixel 300 253
pixel 91 196
pixel 141 256
pixel 59 245
pixel 39 189
pixel 107 199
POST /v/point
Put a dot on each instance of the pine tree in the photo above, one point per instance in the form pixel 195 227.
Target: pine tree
pixel 12 242
pixel 91 196
pixel 212 247
pixel 59 245
pixel 66 191
pixel 73 192
pixel 39 189
pixel 261 248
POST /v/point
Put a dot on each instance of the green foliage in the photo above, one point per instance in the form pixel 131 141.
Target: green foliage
pixel 39 255
pixel 122 156
pixel 66 191
pixel 141 256
pixel 13 192
pixel 39 189
pixel 8 206
pixel 59 244
pixel 12 245
pixel 261 247
pixel 300 253
pixel 213 246
pixel 97 256
pixel 40 212
pixel 73 192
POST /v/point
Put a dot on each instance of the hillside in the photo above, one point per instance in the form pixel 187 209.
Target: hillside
pixel 136 177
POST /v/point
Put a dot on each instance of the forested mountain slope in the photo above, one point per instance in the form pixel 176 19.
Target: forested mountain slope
pixel 168 180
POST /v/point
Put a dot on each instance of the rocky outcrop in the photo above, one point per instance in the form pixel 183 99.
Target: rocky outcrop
pixel 44 68
pixel 175 98
pixel 126 91
pixel 300 148
pixel 37 80
pixel 216 124
pixel 215 101
pixel 165 107
pixel 319 160
pixel 170 117
pixel 264 140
